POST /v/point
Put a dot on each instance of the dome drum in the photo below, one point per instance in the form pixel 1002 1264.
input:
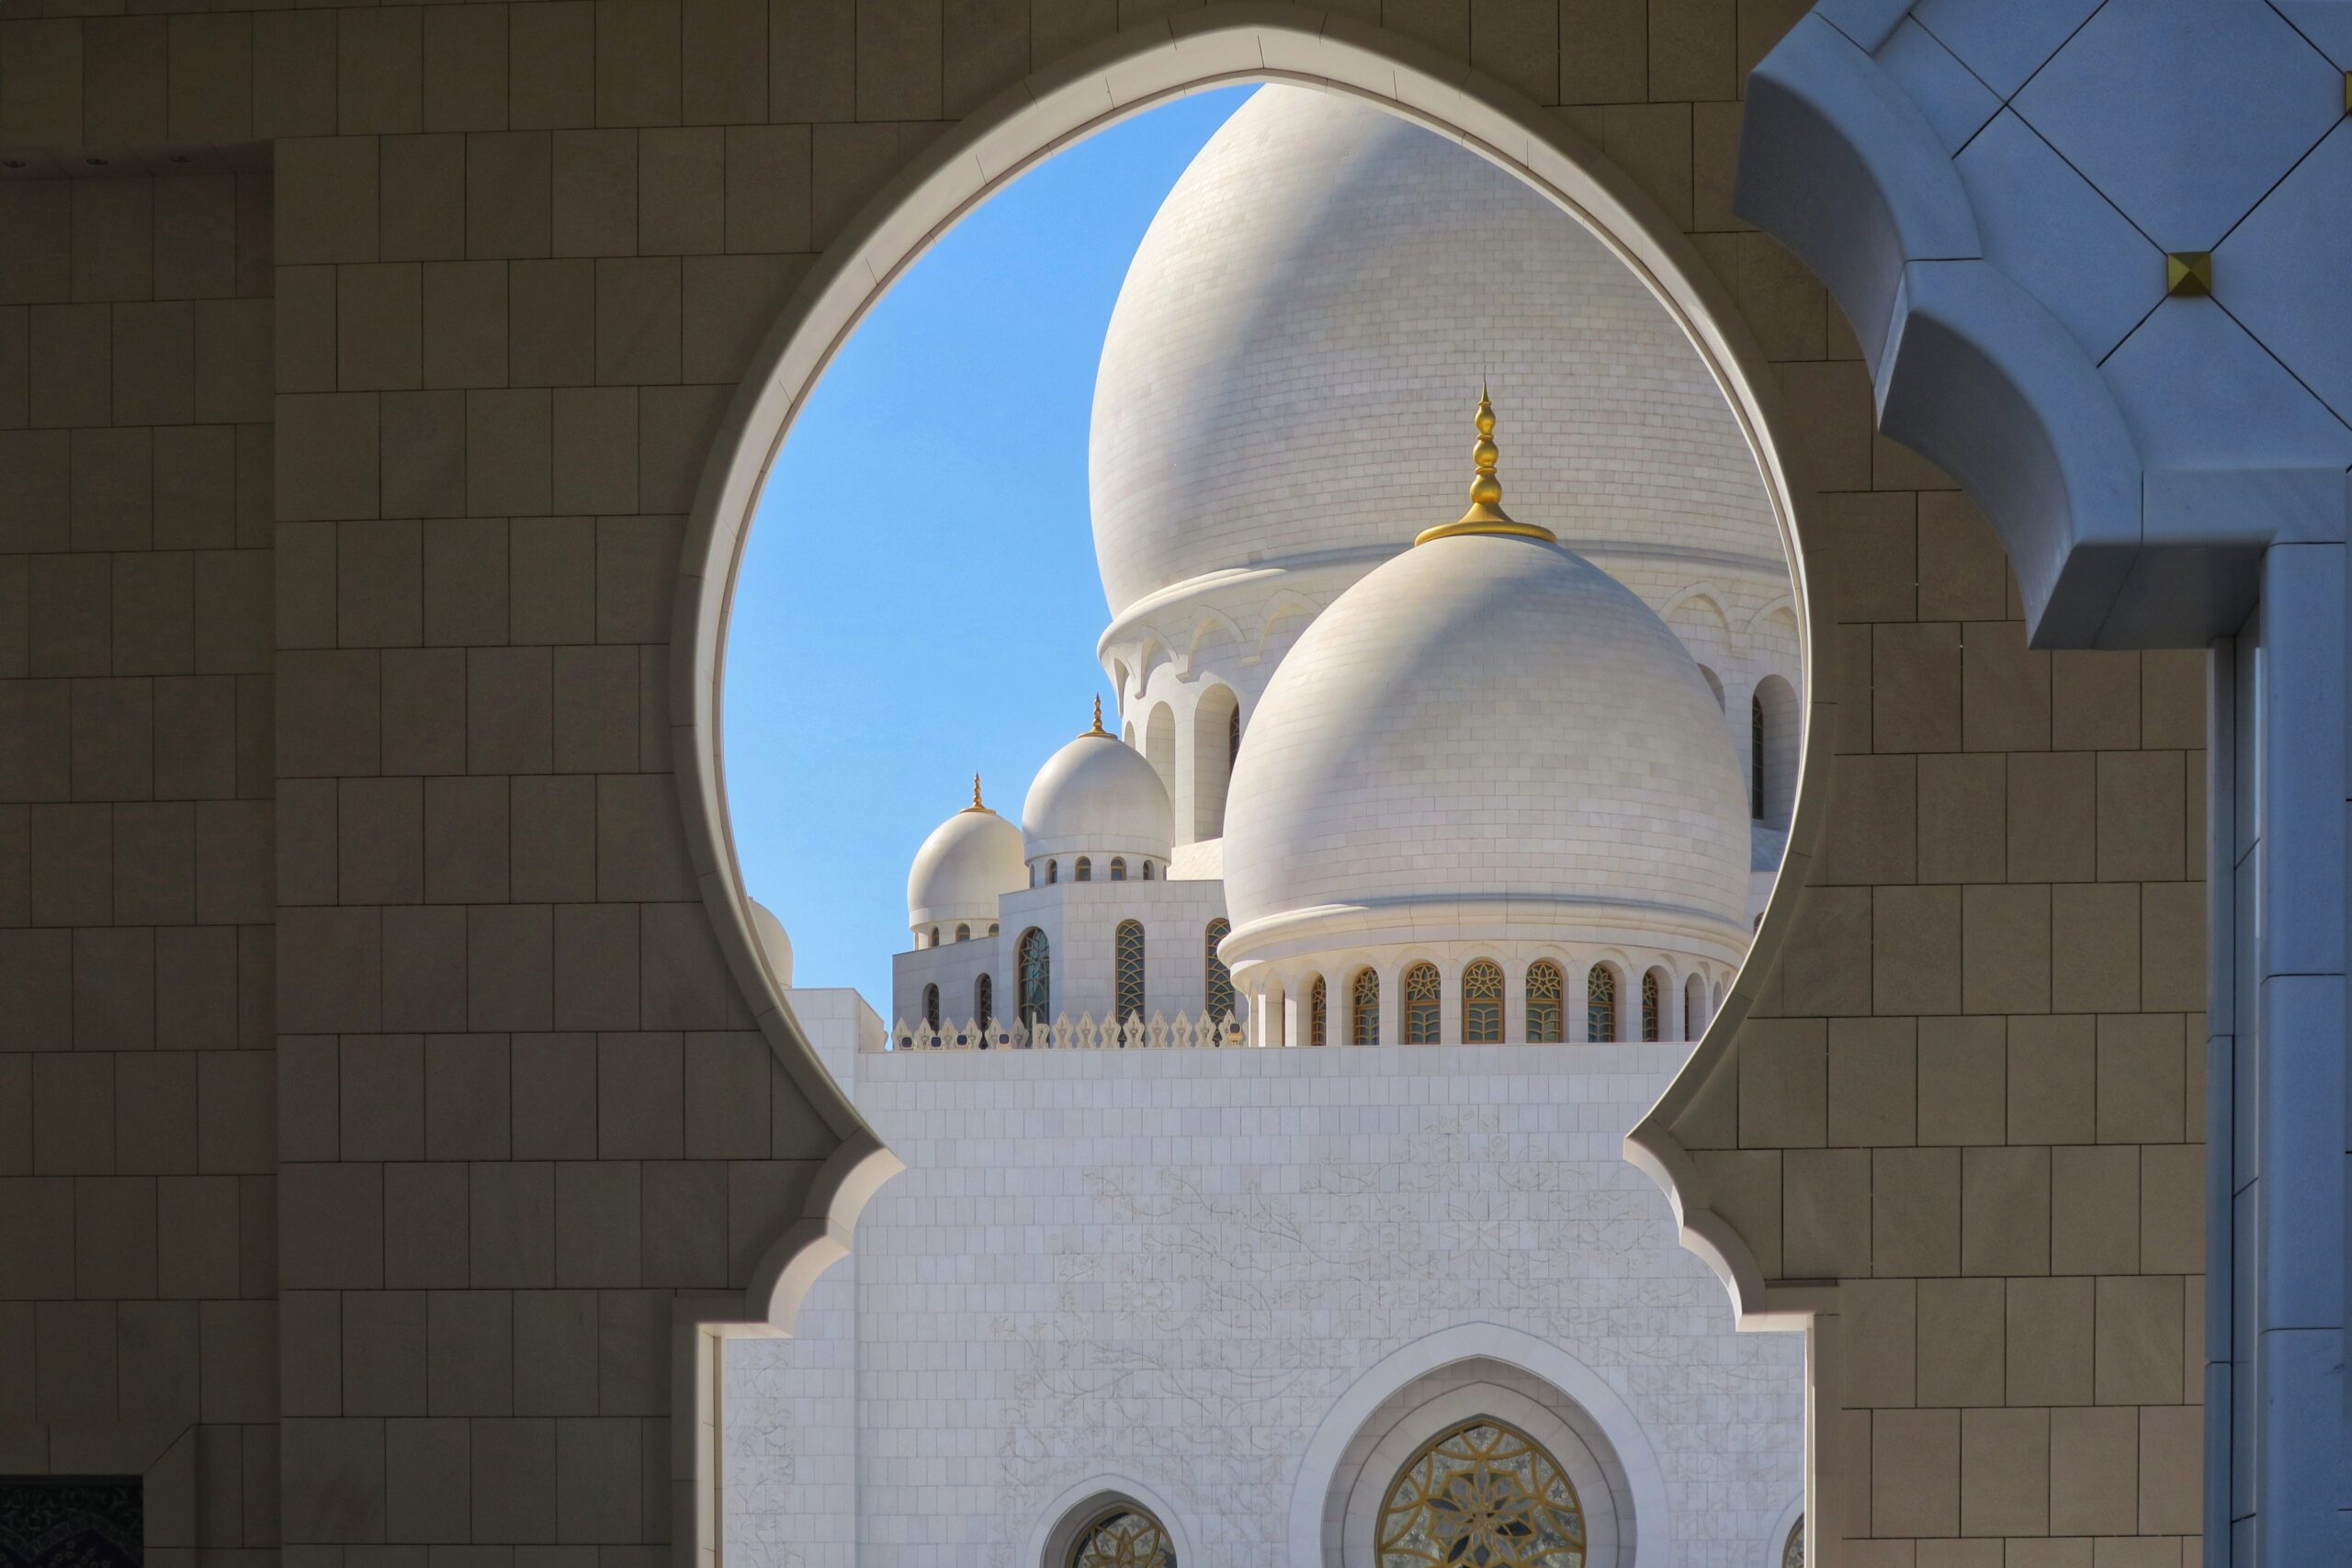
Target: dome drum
pixel 1293 935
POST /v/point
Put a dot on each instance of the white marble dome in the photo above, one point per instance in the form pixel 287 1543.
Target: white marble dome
pixel 774 942
pixel 1282 379
pixel 1487 738
pixel 1097 796
pixel 969 860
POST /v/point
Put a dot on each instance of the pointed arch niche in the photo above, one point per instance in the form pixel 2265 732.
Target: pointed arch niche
pixel 1072 95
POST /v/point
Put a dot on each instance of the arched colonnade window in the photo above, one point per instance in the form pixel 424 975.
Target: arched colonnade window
pixel 1641 1001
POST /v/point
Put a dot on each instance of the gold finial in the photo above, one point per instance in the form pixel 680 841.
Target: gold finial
pixel 1097 728
pixel 976 804
pixel 1485 515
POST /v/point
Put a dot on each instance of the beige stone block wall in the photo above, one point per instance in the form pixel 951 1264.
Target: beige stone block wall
pixel 519 254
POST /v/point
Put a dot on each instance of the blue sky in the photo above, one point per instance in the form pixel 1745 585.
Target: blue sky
pixel 918 599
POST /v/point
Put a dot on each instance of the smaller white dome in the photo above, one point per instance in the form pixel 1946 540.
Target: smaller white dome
pixel 969 860
pixel 769 930
pixel 1098 796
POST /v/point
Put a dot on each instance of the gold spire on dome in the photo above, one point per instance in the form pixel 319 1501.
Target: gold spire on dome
pixel 1485 515
pixel 976 805
pixel 1097 728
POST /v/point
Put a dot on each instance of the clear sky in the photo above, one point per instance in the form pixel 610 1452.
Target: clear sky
pixel 918 599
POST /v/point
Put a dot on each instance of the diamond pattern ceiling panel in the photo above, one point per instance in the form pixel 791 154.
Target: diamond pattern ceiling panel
pixel 2046 226
pixel 2004 41
pixel 2286 272
pixel 2184 112
pixel 2198 392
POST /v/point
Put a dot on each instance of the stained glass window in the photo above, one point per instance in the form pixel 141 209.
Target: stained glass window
pixel 1601 1006
pixel 1034 964
pixel 1217 993
pixel 1053 872
pixel 931 1006
pixel 1482 1003
pixel 1545 989
pixel 1147 871
pixel 1649 1006
pixel 1118 868
pixel 963 933
pixel 1317 1009
pixel 984 1000
pixel 1424 997
pixel 1792 1551
pixel 1085 868
pixel 1484 1492
pixel 1128 960
pixel 1128 1538
pixel 1363 1021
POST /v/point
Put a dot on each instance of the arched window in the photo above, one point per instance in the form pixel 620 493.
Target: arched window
pixel 1694 1008
pixel 1034 965
pixel 1147 871
pixel 934 936
pixel 1085 868
pixel 1756 758
pixel 1232 736
pixel 1424 999
pixel 963 933
pixel 1793 1549
pixel 1318 1011
pixel 1217 990
pixel 1482 1492
pixel 1774 746
pixel 992 927
pixel 1216 728
pixel 1127 945
pixel 1363 1009
pixel 1482 1003
pixel 1545 986
pixel 1599 1006
pixel 1118 868
pixel 1650 1006
pixel 931 1006
pixel 984 1000
pixel 1127 1538
pixel 1053 872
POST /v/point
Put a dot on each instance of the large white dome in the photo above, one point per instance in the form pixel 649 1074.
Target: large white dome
pixel 1488 738
pixel 1097 796
pixel 969 862
pixel 1283 374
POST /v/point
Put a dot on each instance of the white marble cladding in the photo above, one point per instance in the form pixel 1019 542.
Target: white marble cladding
pixel 1172 1267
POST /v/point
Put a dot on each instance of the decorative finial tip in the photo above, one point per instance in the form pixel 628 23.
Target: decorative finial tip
pixel 1485 515
pixel 975 789
pixel 1097 728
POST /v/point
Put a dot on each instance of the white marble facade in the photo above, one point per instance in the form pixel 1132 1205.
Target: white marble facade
pixel 1232 1284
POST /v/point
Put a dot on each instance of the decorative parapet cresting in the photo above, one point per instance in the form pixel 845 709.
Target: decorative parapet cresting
pixel 1185 1032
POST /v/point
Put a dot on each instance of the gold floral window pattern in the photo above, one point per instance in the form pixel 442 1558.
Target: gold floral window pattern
pixel 1485 1493
pixel 1033 967
pixel 1793 1554
pixel 1126 1540
pixel 1482 1003
pixel 1650 1006
pixel 1601 1006
pixel 1318 1011
pixel 1128 960
pixel 1363 1021
pixel 1546 987
pixel 1424 999
pixel 1218 992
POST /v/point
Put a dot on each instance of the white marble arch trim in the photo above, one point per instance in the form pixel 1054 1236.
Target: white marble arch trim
pixel 1083 1502
pixel 1588 1390
pixel 1606 1545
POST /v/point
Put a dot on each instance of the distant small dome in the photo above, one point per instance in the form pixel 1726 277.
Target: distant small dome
pixel 1098 796
pixel 769 930
pixel 1488 738
pixel 969 860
